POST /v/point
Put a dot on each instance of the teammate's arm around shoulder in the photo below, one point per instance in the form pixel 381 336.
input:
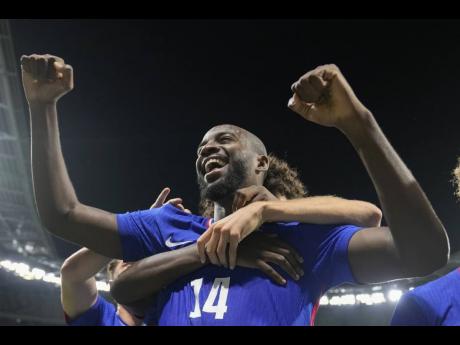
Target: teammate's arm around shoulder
pixel 324 210
pixel 415 244
pixel 46 79
pixel 78 285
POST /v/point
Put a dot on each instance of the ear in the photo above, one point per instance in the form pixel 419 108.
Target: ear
pixel 262 164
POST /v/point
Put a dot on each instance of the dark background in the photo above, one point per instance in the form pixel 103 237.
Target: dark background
pixel 146 91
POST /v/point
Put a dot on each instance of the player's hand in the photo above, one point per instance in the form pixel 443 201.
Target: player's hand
pixel 229 232
pixel 45 78
pixel 259 250
pixel 245 196
pixel 323 96
pixel 160 201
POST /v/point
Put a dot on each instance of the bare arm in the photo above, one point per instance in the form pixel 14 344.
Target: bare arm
pixel 324 209
pixel 415 244
pixel 46 79
pixel 148 276
pixel 255 205
pixel 78 285
pixel 329 210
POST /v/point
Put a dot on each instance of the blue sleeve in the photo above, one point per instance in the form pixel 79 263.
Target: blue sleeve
pixel 331 264
pixel 409 312
pixel 101 313
pixel 144 233
pixel 140 234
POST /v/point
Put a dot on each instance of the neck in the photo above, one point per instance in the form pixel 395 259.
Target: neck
pixel 222 208
pixel 127 317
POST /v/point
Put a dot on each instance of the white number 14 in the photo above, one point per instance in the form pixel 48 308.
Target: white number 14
pixel 220 286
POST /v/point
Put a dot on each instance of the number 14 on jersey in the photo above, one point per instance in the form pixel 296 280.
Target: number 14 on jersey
pixel 219 288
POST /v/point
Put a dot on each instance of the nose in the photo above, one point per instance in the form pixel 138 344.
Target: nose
pixel 209 149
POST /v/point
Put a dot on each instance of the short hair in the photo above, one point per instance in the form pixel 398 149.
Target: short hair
pixel 256 144
pixel 253 140
pixel 281 180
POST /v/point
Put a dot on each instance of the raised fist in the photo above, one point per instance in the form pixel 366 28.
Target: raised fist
pixel 45 78
pixel 324 96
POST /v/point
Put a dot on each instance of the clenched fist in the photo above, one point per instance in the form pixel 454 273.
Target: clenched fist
pixel 324 96
pixel 45 78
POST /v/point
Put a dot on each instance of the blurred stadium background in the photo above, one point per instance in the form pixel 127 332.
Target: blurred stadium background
pixel 29 264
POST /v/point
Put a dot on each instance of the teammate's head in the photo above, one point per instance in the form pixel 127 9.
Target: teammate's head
pixel 115 268
pixel 229 158
pixel 456 178
pixel 281 180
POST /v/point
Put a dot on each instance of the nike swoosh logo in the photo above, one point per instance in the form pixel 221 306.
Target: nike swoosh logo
pixel 170 244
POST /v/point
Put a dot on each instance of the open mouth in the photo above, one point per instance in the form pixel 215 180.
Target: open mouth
pixel 213 167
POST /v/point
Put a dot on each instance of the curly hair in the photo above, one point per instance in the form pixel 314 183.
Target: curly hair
pixel 456 178
pixel 281 180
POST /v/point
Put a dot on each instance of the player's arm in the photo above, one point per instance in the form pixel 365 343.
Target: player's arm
pixel 415 243
pixel 323 209
pixel 78 285
pixel 45 79
pixel 329 210
pixel 255 205
pixel 148 276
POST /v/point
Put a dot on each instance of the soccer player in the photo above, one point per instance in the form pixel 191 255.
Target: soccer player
pixel 231 158
pixel 83 306
pixel 81 302
pixel 148 276
pixel 436 303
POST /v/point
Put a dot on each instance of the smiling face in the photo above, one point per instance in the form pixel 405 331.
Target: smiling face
pixel 229 158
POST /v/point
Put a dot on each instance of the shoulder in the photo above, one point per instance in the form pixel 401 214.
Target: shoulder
pixel 320 233
pixel 165 213
pixel 308 227
pixel 412 311
pixel 99 314
pixel 435 291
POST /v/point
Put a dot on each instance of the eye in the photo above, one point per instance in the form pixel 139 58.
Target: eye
pixel 226 138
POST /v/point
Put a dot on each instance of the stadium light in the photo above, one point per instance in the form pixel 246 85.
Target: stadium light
pixel 324 300
pixel 394 295
pixel 24 271
pixel 378 297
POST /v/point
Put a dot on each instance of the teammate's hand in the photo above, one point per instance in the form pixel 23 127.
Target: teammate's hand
pixel 259 250
pixel 324 96
pixel 160 201
pixel 248 195
pixel 229 232
pixel 45 78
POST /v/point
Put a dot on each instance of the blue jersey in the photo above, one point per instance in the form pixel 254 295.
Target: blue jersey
pixel 101 313
pixel 215 295
pixel 436 303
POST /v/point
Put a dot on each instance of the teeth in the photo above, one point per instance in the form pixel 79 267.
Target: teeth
pixel 213 163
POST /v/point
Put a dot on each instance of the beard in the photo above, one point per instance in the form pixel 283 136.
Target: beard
pixel 226 185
